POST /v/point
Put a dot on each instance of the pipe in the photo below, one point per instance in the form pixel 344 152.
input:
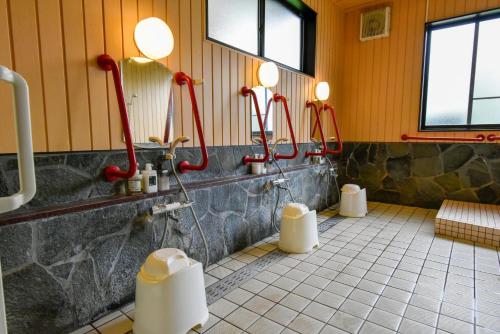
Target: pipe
pixel 113 173
pixel 245 91
pixel 182 78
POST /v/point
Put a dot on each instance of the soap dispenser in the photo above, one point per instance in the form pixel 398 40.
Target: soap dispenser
pixel 149 179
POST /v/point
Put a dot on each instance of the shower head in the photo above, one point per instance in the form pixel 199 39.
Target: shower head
pixel 182 139
pixel 280 140
pixel 156 140
pixel 257 140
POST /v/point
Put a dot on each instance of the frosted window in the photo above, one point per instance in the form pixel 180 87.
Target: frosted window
pixel 235 23
pixel 449 77
pixel 487 82
pixel 486 111
pixel 283 35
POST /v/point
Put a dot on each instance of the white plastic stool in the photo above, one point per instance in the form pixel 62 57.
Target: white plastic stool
pixel 170 294
pixel 299 229
pixel 353 201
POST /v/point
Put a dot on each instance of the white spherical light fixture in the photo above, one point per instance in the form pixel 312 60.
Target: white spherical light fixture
pixel 322 91
pixel 154 38
pixel 268 74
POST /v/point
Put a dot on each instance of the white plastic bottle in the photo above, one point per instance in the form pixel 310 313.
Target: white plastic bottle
pixel 135 183
pixel 149 180
pixel 164 183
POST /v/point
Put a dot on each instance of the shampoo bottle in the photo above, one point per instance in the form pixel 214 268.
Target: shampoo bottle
pixel 135 183
pixel 149 180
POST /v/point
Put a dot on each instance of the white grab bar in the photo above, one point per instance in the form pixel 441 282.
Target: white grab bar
pixel 27 181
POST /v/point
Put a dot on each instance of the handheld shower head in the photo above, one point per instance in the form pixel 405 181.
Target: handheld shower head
pixel 156 140
pixel 257 140
pixel 177 141
pixel 280 140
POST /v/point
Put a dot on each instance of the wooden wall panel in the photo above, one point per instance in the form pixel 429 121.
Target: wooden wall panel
pixel 380 98
pixel 54 45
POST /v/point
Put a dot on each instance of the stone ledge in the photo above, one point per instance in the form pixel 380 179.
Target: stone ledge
pixel 84 205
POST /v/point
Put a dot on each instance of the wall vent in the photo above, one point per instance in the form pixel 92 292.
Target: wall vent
pixel 375 24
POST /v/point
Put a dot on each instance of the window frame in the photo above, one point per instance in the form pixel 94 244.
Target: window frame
pixel 475 18
pixel 307 40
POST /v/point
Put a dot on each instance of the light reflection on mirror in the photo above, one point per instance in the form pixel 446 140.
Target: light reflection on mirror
pixel 264 97
pixel 147 90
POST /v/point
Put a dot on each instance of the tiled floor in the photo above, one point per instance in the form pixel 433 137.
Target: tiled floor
pixel 384 273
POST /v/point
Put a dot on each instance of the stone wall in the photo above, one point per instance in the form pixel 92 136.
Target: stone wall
pixel 75 176
pixel 423 174
pixel 64 271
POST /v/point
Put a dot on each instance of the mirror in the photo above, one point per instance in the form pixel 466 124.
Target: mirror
pixel 147 90
pixel 264 97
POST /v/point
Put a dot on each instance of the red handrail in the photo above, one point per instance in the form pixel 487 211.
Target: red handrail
pixel 337 132
pixel 478 138
pixel 113 173
pixel 245 91
pixel 280 98
pixel 310 104
pixel 493 137
pixel 182 78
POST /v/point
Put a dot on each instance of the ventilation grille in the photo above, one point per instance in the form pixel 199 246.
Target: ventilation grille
pixel 375 24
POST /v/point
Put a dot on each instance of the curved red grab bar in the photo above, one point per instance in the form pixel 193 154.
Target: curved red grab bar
pixel 182 78
pixel 245 91
pixel 337 132
pixel 310 104
pixel 493 137
pixel 280 98
pixel 478 138
pixel 113 173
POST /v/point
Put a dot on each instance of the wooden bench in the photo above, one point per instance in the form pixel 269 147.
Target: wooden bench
pixel 475 222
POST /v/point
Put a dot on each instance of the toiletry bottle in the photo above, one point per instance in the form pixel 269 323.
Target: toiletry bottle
pixel 149 179
pixel 135 183
pixel 164 183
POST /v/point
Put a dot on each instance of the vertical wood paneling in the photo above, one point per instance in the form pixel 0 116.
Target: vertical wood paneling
pixel 25 43
pixel 381 78
pixel 217 94
pixel 7 135
pixel 226 99
pixel 98 102
pixel 54 44
pixel 197 59
pixel 233 95
pixel 76 75
pixel 114 47
pixel 52 55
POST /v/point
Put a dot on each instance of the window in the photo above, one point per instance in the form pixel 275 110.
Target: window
pixel 461 86
pixel 283 31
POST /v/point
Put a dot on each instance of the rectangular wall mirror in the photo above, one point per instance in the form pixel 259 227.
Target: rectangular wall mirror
pixel 264 97
pixel 147 89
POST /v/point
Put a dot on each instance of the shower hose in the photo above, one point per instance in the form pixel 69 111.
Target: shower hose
pixel 198 226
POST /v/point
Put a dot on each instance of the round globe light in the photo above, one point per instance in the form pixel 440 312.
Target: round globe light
pixel 154 38
pixel 322 91
pixel 268 74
